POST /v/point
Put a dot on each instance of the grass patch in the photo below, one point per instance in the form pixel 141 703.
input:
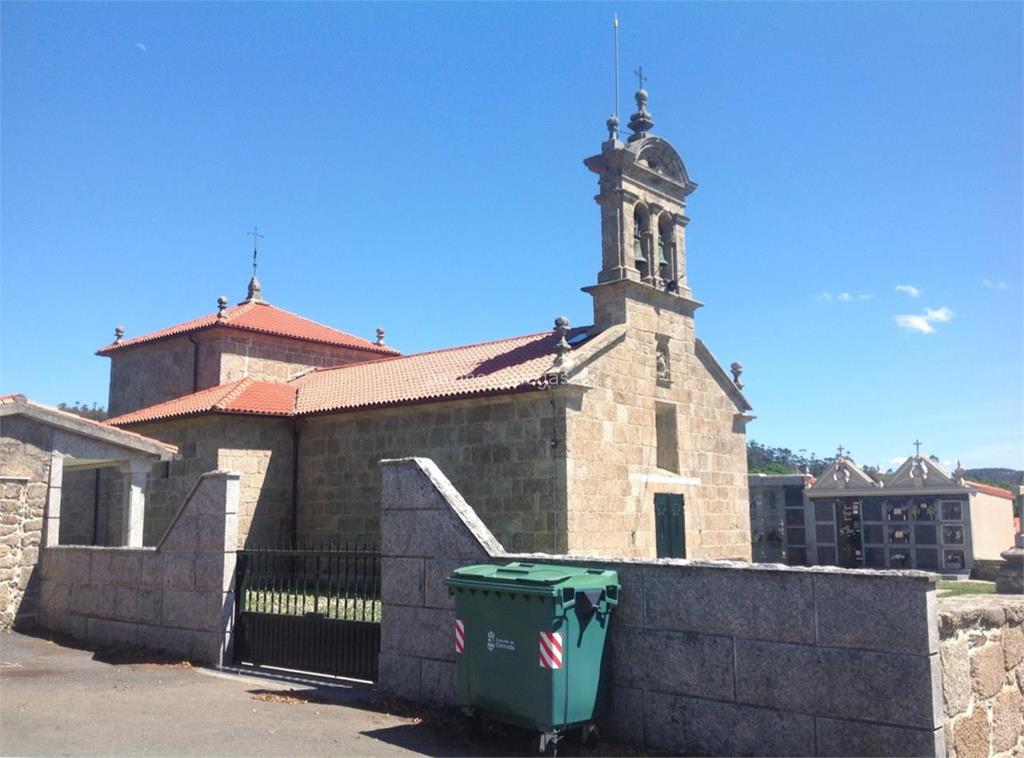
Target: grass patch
pixel 950 589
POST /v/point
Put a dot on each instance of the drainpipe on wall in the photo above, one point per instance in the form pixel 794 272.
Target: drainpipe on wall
pixel 295 482
pixel 195 362
pixel 96 508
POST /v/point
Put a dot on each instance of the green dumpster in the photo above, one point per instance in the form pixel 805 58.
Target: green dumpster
pixel 530 643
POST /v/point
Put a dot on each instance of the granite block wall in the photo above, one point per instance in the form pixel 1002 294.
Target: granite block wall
pixel 982 650
pixel 143 375
pixel 259 449
pixel 498 451
pixel 148 374
pixel 615 461
pixel 176 598
pixel 78 506
pixel 238 354
pixel 25 461
pixel 713 657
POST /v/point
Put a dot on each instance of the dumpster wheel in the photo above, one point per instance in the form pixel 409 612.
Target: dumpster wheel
pixel 589 735
pixel 548 743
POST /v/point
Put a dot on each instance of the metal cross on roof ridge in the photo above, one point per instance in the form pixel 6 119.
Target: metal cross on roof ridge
pixel 256 237
pixel 840 451
pixel 917 444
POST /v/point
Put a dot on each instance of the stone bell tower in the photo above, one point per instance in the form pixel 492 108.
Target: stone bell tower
pixel 643 190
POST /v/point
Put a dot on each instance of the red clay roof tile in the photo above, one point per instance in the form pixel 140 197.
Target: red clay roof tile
pixel 489 367
pixel 241 396
pixel 255 316
pixel 989 489
pixel 502 366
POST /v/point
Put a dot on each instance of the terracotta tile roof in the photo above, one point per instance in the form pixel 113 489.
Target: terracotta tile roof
pixel 502 366
pixel 488 367
pixel 241 396
pixel 988 489
pixel 255 316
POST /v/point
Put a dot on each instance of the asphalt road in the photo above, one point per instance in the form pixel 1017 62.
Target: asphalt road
pixel 57 700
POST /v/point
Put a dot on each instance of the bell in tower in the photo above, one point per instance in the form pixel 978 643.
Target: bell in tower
pixel 643 189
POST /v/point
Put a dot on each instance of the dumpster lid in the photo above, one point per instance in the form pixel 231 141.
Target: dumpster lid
pixel 518 573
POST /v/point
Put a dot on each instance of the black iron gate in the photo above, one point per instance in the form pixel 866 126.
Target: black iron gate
pixel 314 609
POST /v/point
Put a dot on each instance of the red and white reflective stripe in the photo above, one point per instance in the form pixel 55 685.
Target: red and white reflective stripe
pixel 551 650
pixel 460 636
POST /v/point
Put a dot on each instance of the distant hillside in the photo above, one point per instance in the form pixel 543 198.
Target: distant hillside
pixel 1001 477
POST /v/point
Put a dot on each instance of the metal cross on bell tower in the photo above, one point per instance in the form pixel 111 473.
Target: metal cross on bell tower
pixel 641 79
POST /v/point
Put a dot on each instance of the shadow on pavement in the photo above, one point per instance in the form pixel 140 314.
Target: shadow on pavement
pixel 114 655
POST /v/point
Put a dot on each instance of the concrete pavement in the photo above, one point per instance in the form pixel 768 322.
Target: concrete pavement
pixel 57 700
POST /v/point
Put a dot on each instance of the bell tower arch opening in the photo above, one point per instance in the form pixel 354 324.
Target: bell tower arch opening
pixel 643 188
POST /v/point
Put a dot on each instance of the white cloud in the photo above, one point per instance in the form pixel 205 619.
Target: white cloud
pixel 842 297
pixel 993 285
pixel 910 289
pixel 923 323
pixel 140 46
pixel 942 315
pixel 897 460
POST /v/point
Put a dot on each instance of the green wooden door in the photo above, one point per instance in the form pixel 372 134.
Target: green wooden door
pixel 669 525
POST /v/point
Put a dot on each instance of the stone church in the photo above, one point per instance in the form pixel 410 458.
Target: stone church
pixel 625 437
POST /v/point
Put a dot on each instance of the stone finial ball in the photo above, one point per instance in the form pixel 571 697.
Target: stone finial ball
pixel 222 301
pixel 119 331
pixel 613 120
pixel 561 323
pixel 641 96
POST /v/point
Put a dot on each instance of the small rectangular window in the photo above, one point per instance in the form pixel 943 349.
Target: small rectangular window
pixel 667 437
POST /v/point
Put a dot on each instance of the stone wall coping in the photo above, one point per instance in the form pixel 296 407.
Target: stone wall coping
pixel 128 441
pixel 454 498
pixel 866 574
pixel 984 611
pixel 495 550
pixel 98 548
pixel 593 348
pixel 225 475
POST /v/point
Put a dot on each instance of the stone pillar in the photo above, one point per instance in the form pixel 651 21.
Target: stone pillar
pixel 616 234
pixel 51 523
pixel 1010 579
pixel 654 234
pixel 134 512
pixel 679 250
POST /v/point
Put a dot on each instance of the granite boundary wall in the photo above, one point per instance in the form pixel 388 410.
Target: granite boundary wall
pixel 176 598
pixel 982 650
pixel 22 503
pixel 713 657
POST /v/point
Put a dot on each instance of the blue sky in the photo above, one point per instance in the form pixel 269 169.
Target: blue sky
pixel 419 167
